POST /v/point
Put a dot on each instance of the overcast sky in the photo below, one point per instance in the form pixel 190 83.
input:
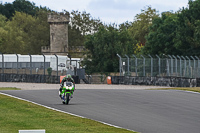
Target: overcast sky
pixel 110 11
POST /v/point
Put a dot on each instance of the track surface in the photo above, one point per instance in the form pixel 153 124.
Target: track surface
pixel 145 111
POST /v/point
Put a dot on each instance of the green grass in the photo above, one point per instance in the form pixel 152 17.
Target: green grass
pixel 9 88
pixel 195 89
pixel 21 115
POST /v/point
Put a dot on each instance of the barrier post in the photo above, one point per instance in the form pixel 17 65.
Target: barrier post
pixel 135 64
pixel 128 64
pixel 143 65
pixel 180 66
pixel 151 65
pixel 158 64
pixel 120 64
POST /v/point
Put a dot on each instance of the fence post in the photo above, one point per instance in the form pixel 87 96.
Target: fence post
pixel 135 64
pixel 143 65
pixel 194 73
pixel 180 66
pixel 44 67
pixel 176 65
pixel 56 66
pixel 167 65
pixel 171 65
pixel 151 65
pixel 120 64
pixel 17 63
pixel 44 62
pixel 70 58
pixel 158 64
pixel 128 63
pixel 197 67
pixel 30 64
pixel 185 64
pixel 2 62
pixel 189 65
pixel 189 60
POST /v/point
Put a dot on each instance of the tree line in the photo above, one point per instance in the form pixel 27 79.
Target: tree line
pixel 24 29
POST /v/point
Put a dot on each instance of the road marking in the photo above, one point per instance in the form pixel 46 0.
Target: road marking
pixel 193 92
pixel 63 111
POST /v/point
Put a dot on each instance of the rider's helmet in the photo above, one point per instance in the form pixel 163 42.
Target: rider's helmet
pixel 68 76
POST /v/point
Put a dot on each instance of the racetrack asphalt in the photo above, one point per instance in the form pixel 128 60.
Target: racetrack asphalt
pixel 145 111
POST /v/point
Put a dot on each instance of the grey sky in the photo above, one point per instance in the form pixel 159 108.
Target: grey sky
pixel 111 11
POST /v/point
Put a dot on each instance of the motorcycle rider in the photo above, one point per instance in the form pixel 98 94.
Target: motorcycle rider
pixel 68 78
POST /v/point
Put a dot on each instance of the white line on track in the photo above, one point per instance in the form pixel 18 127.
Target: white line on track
pixel 62 111
pixel 194 92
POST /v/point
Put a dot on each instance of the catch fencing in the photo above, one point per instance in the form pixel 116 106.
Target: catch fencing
pixel 155 66
pixel 169 70
pixel 36 68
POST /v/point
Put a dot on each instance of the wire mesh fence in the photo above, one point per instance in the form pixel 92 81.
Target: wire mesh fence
pixel 169 66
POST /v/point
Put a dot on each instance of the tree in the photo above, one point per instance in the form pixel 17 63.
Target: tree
pixel 2 21
pixel 176 34
pixel 125 26
pixel 103 47
pixel 3 32
pixel 26 34
pixel 84 22
pixel 25 6
pixel 162 33
pixel 18 28
pixel 8 9
pixel 188 36
pixel 80 25
pixel 140 27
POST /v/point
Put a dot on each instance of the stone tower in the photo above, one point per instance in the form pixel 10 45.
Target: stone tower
pixel 58 34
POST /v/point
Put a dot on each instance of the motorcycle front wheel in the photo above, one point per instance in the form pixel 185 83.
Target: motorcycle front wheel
pixel 67 98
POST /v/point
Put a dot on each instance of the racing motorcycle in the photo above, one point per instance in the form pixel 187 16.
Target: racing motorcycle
pixel 67 91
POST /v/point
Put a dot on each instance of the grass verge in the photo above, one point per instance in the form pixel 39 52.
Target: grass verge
pixel 21 115
pixel 9 88
pixel 195 89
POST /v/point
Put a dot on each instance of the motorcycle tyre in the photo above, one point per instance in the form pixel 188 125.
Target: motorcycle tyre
pixel 67 98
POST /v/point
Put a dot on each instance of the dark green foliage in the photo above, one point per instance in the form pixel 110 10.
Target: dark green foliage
pixel 140 27
pixel 75 36
pixel 24 33
pixel 160 39
pixel 103 47
pixel 25 6
pixel 188 31
pixel 25 28
pixel 175 33
pixel 7 10
pixel 80 25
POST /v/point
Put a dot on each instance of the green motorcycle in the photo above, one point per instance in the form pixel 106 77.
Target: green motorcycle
pixel 67 92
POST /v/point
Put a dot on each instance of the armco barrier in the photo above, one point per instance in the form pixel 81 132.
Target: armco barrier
pixel 127 80
pixel 157 81
pixel 198 81
pixel 117 79
pixel 33 78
